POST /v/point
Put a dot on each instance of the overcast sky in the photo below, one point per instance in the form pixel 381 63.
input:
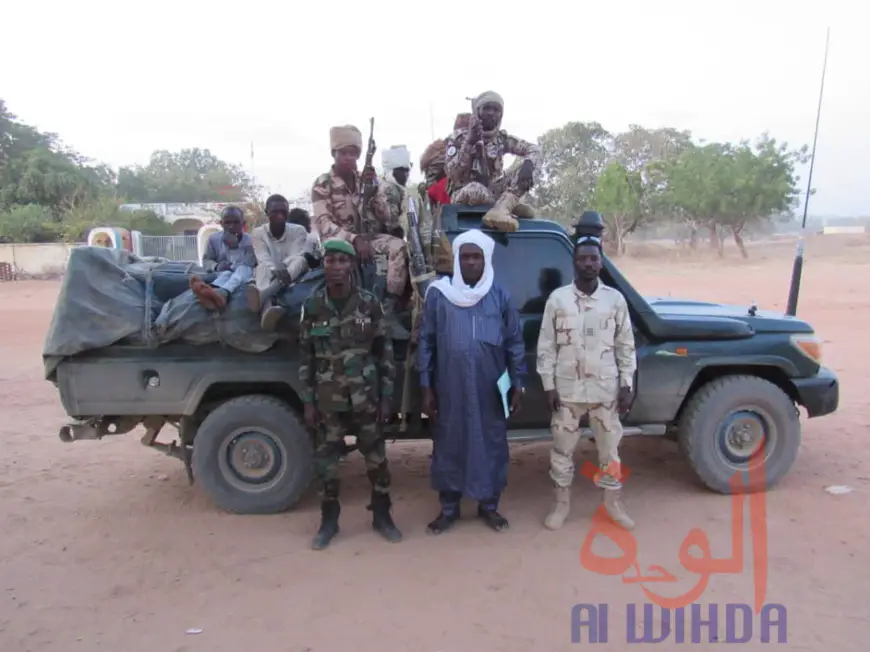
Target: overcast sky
pixel 119 80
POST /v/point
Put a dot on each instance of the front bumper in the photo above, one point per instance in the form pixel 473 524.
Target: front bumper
pixel 819 394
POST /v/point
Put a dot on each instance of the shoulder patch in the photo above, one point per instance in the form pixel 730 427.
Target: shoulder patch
pixel 451 151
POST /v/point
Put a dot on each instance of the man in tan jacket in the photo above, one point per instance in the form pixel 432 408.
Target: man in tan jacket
pixel 586 360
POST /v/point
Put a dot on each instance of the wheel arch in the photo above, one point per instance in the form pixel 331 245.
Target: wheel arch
pixel 769 372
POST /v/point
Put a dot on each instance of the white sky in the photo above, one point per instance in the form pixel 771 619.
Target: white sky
pixel 118 80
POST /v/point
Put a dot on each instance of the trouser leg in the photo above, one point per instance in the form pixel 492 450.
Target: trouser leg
pixel 565 426
pixel 374 450
pixel 607 430
pixel 450 501
pixel 604 420
pixel 473 193
pixel 327 455
pixel 231 281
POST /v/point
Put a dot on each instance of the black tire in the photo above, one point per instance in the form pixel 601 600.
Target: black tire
pixel 274 429
pixel 705 442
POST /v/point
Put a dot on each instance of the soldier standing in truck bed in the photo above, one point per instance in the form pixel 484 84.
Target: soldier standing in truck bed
pixel 337 199
pixel 347 374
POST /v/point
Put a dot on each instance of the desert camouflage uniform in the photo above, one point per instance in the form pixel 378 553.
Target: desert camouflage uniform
pixel 462 163
pixel 347 368
pixel 396 198
pixel 586 352
pixel 337 214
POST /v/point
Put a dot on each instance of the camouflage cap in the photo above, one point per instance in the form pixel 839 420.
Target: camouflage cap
pixel 338 246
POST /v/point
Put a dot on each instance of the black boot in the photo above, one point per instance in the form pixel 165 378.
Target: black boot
pixel 329 510
pixel 382 522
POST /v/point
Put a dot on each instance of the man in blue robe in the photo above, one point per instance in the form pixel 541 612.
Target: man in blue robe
pixel 469 337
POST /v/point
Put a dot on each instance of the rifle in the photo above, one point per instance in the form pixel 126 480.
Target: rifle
pixel 483 176
pixel 422 273
pixel 367 222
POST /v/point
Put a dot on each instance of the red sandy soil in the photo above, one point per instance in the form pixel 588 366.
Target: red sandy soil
pixel 104 546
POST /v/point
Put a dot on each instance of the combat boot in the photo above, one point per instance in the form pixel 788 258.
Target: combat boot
pixel 500 216
pixel 329 510
pixel 524 211
pixel 616 510
pixel 561 507
pixel 382 522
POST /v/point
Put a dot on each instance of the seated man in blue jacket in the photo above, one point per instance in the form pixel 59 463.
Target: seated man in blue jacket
pixel 231 254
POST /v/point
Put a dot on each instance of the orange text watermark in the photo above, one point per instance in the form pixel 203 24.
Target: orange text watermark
pixel 703 565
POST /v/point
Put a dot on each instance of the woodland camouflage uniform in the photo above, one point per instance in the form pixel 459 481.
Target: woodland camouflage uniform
pixel 347 367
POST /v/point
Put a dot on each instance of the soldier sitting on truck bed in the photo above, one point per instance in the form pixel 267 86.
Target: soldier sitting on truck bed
pixel 229 252
pixel 477 180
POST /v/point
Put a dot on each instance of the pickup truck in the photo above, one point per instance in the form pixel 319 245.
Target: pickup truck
pixel 724 381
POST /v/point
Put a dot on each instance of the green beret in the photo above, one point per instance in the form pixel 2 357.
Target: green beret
pixel 339 246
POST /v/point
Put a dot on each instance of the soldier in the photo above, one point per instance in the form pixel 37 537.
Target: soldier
pixel 586 360
pixel 471 183
pixel 347 374
pixel 337 196
pixel 397 168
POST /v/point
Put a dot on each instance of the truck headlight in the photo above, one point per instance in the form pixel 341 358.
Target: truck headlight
pixel 809 345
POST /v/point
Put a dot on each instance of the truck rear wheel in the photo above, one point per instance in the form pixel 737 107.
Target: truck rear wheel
pixel 729 418
pixel 253 456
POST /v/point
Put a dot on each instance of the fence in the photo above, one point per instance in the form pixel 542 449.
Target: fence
pixel 172 247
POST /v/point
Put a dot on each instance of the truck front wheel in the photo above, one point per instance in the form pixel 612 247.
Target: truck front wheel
pixel 727 420
pixel 253 456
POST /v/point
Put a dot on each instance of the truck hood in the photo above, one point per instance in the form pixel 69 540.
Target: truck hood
pixel 763 321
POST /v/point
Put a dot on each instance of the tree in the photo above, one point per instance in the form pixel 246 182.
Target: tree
pixel 574 155
pixel 618 196
pixel 764 185
pixel 191 175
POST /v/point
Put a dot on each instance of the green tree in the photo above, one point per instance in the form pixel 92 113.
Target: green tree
pixel 574 156
pixel 618 196
pixel 191 175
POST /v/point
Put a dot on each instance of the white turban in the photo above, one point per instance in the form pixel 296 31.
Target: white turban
pixel 397 156
pixel 457 291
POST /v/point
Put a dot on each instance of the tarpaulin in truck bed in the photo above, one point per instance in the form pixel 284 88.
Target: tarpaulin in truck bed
pixel 109 296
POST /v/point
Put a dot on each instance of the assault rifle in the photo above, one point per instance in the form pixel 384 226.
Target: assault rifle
pixel 484 172
pixel 422 273
pixel 368 224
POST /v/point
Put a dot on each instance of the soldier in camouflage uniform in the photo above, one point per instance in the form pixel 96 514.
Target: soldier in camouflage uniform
pixel 469 183
pixel 397 168
pixel 337 199
pixel 347 374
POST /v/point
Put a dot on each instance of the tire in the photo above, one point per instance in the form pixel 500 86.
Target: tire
pixel 703 431
pixel 276 440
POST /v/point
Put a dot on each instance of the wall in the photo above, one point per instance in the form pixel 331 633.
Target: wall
pixel 844 230
pixel 36 260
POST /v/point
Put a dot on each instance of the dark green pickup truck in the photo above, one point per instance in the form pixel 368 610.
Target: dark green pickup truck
pixel 719 379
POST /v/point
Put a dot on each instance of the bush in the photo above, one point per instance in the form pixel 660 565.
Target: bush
pixel 29 223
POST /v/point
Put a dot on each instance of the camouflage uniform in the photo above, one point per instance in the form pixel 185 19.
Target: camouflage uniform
pixel 337 214
pixel 586 352
pixel 397 205
pixel 347 368
pixel 463 165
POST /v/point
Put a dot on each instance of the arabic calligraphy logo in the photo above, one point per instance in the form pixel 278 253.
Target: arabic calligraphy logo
pixel 704 565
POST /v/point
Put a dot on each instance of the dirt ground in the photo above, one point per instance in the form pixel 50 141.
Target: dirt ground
pixel 104 546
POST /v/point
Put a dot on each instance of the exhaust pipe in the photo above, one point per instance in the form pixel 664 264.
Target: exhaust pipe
pixel 77 431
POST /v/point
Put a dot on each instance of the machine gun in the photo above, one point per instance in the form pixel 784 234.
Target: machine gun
pixel 368 223
pixel 422 273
